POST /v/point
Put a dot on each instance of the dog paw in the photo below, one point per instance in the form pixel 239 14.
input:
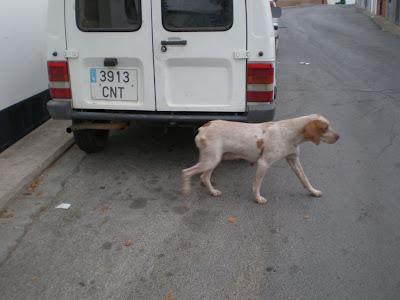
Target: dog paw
pixel 216 193
pixel 261 200
pixel 316 193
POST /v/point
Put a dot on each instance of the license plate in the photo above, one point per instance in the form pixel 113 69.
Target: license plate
pixel 114 84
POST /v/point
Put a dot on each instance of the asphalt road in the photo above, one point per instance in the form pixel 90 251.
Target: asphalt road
pixel 345 245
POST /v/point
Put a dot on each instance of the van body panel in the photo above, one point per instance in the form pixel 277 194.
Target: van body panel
pixel 132 50
pixel 180 75
pixel 56 40
pixel 261 34
pixel 260 30
pixel 203 74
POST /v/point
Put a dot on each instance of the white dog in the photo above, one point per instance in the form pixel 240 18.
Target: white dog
pixel 263 143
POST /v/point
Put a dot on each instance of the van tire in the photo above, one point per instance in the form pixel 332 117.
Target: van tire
pixel 91 140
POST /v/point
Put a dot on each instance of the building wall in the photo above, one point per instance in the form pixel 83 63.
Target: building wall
pixel 391 10
pixel 23 83
pixel 398 12
pixel 373 8
pixel 22 55
pixel 368 5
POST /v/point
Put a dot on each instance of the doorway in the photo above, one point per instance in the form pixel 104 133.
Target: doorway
pixel 381 9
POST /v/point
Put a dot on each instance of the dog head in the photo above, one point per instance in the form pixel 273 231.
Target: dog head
pixel 319 130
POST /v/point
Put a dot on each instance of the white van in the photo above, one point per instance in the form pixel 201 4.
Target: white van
pixel 176 61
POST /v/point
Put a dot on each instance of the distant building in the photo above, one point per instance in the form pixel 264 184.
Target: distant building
pixel 393 11
pixel 284 3
pixel 348 2
pixel 389 9
pixel 23 77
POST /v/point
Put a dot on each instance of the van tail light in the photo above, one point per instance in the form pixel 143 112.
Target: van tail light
pixel 60 87
pixel 260 82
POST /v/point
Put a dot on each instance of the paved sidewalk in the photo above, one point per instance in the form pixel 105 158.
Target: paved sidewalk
pixel 385 25
pixel 21 163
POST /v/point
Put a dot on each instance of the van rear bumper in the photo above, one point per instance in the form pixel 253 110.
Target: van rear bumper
pixel 62 110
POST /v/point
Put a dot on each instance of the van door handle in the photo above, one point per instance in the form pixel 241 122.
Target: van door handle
pixel 174 43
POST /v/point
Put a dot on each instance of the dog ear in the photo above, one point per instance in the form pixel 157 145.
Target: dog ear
pixel 312 132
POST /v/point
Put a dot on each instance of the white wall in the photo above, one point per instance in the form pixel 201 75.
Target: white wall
pixel 22 50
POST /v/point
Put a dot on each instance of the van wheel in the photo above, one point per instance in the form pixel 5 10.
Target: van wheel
pixel 91 140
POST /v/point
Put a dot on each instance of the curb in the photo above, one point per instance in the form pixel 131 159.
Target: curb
pixel 29 157
pixel 385 25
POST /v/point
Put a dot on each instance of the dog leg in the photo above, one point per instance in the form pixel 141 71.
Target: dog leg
pixel 294 163
pixel 186 176
pixel 206 181
pixel 262 167
pixel 201 167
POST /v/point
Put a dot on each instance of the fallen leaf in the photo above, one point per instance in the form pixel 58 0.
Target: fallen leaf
pixel 104 209
pixel 169 296
pixel 35 279
pixel 34 184
pixel 39 194
pixel 43 209
pixel 232 219
pixel 7 214
pixel 128 243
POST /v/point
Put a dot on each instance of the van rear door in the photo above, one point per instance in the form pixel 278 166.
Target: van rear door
pixel 200 55
pixel 110 54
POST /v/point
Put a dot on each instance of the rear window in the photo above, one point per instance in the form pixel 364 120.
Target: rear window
pixel 197 15
pixel 108 15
